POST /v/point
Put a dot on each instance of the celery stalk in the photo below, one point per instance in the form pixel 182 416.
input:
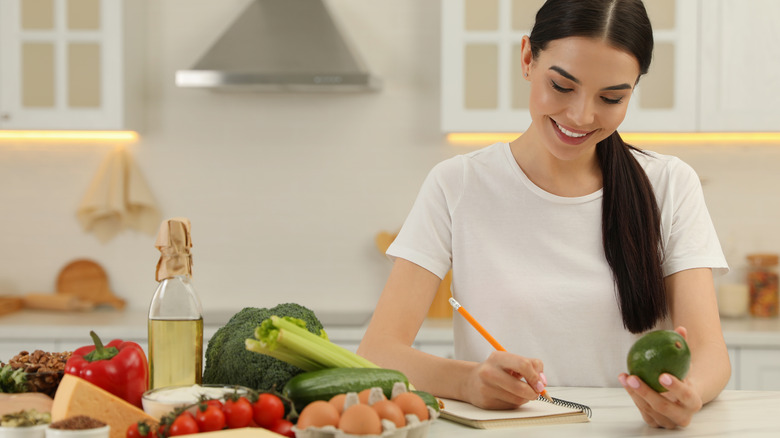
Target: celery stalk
pixel 283 355
pixel 327 356
pixel 322 347
pixel 288 340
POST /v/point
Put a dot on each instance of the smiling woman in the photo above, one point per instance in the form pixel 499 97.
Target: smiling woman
pixel 565 229
pixel 581 88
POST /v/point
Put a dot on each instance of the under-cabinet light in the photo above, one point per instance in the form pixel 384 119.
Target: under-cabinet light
pixel 638 138
pixel 130 136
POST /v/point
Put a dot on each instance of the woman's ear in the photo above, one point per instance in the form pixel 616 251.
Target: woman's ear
pixel 527 56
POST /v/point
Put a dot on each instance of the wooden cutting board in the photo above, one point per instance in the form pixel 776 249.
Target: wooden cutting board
pixel 88 281
pixel 10 305
pixel 65 302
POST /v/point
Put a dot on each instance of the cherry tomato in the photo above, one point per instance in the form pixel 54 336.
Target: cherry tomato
pixel 283 427
pixel 211 418
pixel 267 410
pixel 214 402
pixel 238 413
pixel 184 424
pixel 139 430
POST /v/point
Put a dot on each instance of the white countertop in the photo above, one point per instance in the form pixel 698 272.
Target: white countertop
pixel 742 414
pixel 131 324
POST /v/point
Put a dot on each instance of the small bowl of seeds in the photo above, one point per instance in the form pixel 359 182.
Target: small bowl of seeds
pixel 24 424
pixel 79 426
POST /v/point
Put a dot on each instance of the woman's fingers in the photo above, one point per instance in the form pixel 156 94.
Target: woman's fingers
pixel 507 380
pixel 521 367
pixel 638 391
pixel 670 409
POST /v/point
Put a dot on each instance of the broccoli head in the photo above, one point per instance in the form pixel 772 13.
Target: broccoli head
pixel 228 361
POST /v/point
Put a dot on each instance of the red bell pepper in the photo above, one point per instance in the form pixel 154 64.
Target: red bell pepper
pixel 120 368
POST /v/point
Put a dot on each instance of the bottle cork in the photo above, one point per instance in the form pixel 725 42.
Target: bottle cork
pixel 174 242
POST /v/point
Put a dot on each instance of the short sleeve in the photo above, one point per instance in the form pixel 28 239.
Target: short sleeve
pixel 690 237
pixel 426 235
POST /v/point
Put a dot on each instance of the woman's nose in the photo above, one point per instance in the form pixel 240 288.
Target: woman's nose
pixel 582 112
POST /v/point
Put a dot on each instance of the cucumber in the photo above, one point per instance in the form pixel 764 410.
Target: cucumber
pixel 429 399
pixel 324 384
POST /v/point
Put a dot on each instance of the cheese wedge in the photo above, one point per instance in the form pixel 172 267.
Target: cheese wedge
pixel 76 396
pixel 244 432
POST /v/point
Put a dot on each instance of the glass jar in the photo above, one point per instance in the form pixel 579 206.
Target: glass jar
pixel 762 280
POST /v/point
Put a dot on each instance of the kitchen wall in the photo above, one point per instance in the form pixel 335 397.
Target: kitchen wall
pixel 286 191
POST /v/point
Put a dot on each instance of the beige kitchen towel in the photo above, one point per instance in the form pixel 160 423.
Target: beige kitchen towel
pixel 118 198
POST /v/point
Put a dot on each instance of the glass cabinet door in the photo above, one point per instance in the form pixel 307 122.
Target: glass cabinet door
pixel 59 64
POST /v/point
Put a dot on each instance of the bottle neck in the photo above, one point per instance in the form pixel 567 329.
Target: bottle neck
pixel 175 298
pixel 174 265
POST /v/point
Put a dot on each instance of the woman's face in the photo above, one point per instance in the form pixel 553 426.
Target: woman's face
pixel 580 88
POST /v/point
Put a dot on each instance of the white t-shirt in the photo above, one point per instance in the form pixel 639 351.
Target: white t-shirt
pixel 530 265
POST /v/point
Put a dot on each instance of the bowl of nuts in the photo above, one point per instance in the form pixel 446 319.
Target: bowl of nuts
pixel 39 371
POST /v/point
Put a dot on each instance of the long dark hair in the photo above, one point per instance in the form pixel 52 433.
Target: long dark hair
pixel 631 220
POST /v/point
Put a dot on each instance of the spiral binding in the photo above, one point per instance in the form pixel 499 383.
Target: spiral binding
pixel 569 404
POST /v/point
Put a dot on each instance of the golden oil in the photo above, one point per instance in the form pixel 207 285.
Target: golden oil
pixel 175 352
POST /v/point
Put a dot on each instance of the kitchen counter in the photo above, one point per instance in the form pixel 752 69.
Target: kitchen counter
pixel 751 332
pixel 131 324
pixel 733 414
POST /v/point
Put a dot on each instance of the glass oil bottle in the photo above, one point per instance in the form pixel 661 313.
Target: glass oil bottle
pixel 175 313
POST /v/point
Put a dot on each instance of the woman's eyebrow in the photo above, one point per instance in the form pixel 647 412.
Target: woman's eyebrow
pixel 570 77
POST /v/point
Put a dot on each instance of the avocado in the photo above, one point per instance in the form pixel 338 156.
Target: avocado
pixel 658 352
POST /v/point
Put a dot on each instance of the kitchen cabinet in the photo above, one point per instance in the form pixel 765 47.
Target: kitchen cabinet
pixel 70 64
pixel 712 60
pixel 759 369
pixel 740 56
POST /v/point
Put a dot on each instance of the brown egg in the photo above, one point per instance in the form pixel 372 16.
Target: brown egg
pixel 360 419
pixel 411 403
pixel 364 395
pixel 389 410
pixel 318 414
pixel 338 402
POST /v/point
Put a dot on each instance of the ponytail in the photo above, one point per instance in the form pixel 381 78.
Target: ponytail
pixel 631 228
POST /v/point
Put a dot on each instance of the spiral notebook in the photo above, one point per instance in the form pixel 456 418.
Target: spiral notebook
pixel 535 412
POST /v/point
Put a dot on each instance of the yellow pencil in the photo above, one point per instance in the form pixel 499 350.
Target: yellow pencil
pixel 456 305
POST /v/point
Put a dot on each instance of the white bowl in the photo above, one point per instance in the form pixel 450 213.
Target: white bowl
pixel 38 431
pixel 97 432
pixel 160 401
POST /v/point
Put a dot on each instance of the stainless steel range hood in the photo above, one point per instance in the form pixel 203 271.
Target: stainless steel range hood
pixel 281 45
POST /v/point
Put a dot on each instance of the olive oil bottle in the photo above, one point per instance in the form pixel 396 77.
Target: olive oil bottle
pixel 175 313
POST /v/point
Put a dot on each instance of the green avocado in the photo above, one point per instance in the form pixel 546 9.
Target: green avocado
pixel 658 352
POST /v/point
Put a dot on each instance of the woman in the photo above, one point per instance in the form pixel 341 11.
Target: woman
pixel 566 243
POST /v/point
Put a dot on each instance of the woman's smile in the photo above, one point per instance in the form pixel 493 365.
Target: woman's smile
pixel 570 135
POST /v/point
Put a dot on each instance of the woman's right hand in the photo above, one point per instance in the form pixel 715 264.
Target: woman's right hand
pixel 505 381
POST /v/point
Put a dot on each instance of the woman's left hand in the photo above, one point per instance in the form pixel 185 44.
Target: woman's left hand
pixel 671 409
